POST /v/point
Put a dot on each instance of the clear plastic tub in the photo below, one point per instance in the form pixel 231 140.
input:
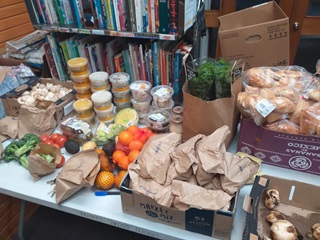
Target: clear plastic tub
pixel 107 122
pixel 83 90
pixel 83 108
pixel 159 119
pixel 140 90
pixel 177 110
pixel 119 80
pixel 78 66
pixel 122 104
pixel 103 88
pixel 102 100
pixel 143 118
pixel 162 96
pixel 142 107
pixel 91 119
pixel 169 109
pixel 99 79
pixel 121 94
pixel 81 80
pixel 105 114
pixel 83 96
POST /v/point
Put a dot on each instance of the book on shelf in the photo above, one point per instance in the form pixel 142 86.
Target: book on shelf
pixel 100 56
pixel 164 16
pixel 156 63
pixel 113 47
pixel 52 11
pixel 34 13
pixel 99 13
pixel 113 14
pixel 119 62
pixel 69 14
pixel 89 14
pixel 132 14
pixel 173 16
pixel 59 11
pixel 104 13
pixel 152 19
pixel 124 15
pixel 145 16
pixel 134 60
pixel 127 63
pixel 138 13
pixel 78 13
pixel 116 14
pixel 49 58
pixel 109 10
pixel 156 15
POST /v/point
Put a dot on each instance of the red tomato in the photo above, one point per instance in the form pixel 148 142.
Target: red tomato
pixel 63 159
pixel 61 140
pixel 49 141
pixel 54 136
pixel 56 145
pixel 44 137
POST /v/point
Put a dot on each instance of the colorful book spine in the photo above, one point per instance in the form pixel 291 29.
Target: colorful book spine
pixel 173 13
pixel 56 57
pixel 113 15
pixel 109 14
pixel 156 15
pixel 68 12
pixel 143 63
pixel 65 51
pixel 104 13
pixel 100 56
pixel 119 62
pixel 139 23
pixel 59 12
pixel 78 13
pixel 145 16
pixel 151 66
pixel 99 13
pixel 164 16
pixel 156 65
pixel 52 11
pixel 50 60
pixel 120 15
pixel 176 70
pixel 45 11
pixel 152 21
pixel 132 13
pixel 134 61
pixel 127 63
pixel 124 5
pixel 116 14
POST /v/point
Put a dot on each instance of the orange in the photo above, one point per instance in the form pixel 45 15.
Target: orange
pixel 149 133
pixel 124 162
pixel 118 178
pixel 135 145
pixel 133 129
pixel 125 137
pixel 141 136
pixel 104 180
pixel 117 155
pixel 133 155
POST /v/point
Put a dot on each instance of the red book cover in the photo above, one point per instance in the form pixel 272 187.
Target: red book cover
pixel 119 63
pixel 156 15
pixel 173 16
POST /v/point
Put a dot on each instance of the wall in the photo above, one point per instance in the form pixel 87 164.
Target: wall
pixel 14 21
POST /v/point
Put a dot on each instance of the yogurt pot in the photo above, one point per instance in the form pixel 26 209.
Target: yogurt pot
pixel 162 96
pixel 102 100
pixel 121 104
pixel 119 80
pixel 107 122
pixel 103 88
pixel 142 107
pixel 83 96
pixel 121 94
pixel 140 90
pixel 83 92
pixel 159 119
pixel 78 66
pixel 91 119
pixel 83 108
pixel 81 80
pixel 105 114
pixel 99 79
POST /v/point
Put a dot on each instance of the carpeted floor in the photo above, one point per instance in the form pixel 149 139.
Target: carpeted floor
pixel 51 224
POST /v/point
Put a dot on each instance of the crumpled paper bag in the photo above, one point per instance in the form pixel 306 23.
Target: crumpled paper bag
pixel 79 171
pixel 9 127
pixel 39 167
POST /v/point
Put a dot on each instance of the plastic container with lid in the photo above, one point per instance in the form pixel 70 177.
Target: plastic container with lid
pixel 105 114
pixel 91 119
pixel 169 109
pixel 78 66
pixel 81 80
pixel 159 119
pixel 176 124
pixel 83 108
pixel 102 100
pixel 143 118
pixel 107 122
pixel 142 107
pixel 121 94
pixel 83 92
pixel 119 80
pixel 177 110
pixel 140 90
pixel 99 79
pixel 102 88
pixel 121 105
pixel 162 96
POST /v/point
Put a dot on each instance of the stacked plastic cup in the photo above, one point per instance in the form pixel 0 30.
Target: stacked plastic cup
pixel 120 90
pixel 141 98
pixel 99 81
pixel 102 101
pixel 84 111
pixel 162 98
pixel 79 72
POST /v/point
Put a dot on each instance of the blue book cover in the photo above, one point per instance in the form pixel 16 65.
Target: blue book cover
pixel 127 63
pixel 113 15
pixel 156 65
pixel 176 70
pixel 99 13
pixel 76 7
pixel 104 13
pixel 164 16
pixel 145 16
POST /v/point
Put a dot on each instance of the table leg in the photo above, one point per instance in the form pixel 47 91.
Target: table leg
pixel 21 219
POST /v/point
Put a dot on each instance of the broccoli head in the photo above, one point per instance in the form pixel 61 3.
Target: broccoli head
pixel 10 150
pixel 23 160
pixel 31 141
pixel 31 137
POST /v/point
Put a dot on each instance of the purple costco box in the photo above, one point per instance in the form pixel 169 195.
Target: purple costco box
pixel 296 152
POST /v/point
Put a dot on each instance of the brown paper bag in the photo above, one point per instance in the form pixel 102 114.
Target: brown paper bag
pixel 204 117
pixel 9 127
pixel 35 120
pixel 79 171
pixel 37 166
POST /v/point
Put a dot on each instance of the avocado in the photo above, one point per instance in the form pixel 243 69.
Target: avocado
pixel 108 148
pixel 72 146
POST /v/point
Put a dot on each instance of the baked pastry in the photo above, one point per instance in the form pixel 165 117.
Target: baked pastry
pixel 267 93
pixel 287 92
pixel 284 126
pixel 310 119
pixel 301 105
pixel 283 105
pixel 314 95
pixel 274 116
pixel 259 77
pixel 250 103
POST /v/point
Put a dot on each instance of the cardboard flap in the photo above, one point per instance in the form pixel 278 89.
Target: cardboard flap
pixel 247 204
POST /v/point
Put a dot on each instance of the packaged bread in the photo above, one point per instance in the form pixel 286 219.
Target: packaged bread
pixel 314 95
pixel 267 93
pixel 261 77
pixel 295 115
pixel 310 119
pixel 284 126
pixel 283 105
pixel 274 116
pixel 288 92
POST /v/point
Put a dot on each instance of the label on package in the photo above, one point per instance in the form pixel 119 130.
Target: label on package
pixel 161 92
pixel 68 108
pixel 264 107
pixel 158 117
pixel 136 86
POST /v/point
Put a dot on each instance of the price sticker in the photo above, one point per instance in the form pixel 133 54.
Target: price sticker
pixel 264 107
pixel 97 32
pixel 158 117
pixel 162 92
pixel 135 86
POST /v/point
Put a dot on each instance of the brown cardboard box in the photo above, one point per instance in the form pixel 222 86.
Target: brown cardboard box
pixel 64 106
pixel 291 151
pixel 259 35
pixel 298 202
pixel 208 222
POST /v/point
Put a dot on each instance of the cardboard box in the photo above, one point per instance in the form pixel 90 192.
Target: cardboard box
pixel 296 152
pixel 208 222
pixel 259 35
pixel 298 202
pixel 64 106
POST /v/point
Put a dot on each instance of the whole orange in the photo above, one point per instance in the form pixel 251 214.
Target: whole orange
pixel 104 180
pixel 133 155
pixel 135 145
pixel 133 129
pixel 141 136
pixel 117 155
pixel 125 137
pixel 118 178
pixel 124 162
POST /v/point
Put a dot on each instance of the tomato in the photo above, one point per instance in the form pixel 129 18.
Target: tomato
pixel 63 160
pixel 54 136
pixel 56 145
pixel 44 137
pixel 49 141
pixel 61 140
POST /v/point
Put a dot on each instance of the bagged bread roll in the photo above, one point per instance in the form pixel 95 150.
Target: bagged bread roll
pixel 301 105
pixel 318 130
pixel 283 105
pixel 314 95
pixel 274 116
pixel 284 126
pixel 267 93
pixel 310 119
pixel 251 102
pixel 261 77
pixel 287 92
